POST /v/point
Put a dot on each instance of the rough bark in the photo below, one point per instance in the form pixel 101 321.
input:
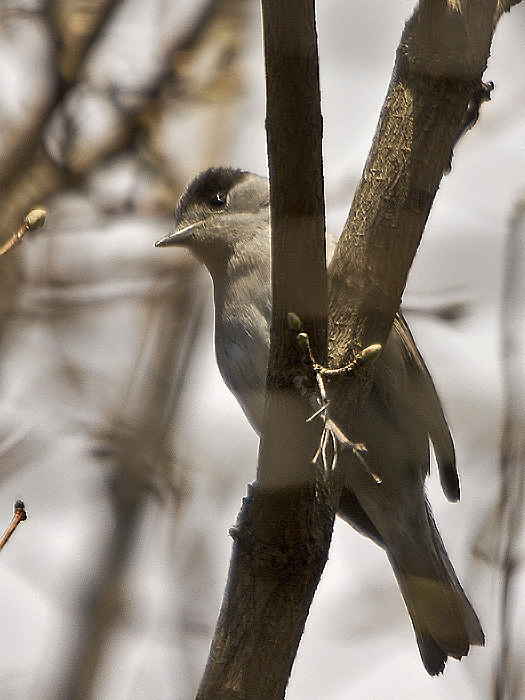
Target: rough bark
pixel 440 61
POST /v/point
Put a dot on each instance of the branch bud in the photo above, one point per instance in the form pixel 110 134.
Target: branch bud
pixel 35 219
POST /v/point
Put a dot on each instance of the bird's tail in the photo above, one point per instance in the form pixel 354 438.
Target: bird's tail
pixel 444 621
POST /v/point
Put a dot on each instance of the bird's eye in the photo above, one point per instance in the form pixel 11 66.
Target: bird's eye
pixel 218 201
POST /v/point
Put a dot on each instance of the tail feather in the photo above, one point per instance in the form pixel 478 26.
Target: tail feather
pixel 432 655
pixel 444 621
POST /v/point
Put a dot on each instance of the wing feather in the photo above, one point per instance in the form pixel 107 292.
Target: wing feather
pixel 429 408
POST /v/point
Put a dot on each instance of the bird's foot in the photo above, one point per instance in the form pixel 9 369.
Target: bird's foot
pixel 333 438
pixel 363 358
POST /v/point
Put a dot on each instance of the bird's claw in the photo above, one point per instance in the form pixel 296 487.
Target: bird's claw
pixel 332 434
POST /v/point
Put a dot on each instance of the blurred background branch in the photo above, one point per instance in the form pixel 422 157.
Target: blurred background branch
pixel 509 684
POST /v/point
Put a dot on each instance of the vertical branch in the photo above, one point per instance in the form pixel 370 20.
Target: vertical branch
pixel 512 445
pixel 294 135
pixel 284 528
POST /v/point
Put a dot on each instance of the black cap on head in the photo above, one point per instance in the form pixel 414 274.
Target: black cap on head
pixel 207 185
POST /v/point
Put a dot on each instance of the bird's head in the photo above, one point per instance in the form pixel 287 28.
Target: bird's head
pixel 221 211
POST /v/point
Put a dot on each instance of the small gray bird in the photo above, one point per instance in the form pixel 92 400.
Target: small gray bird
pixel 224 218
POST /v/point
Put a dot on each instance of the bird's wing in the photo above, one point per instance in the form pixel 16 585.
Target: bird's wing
pixel 428 406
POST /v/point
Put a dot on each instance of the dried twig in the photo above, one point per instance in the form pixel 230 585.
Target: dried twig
pixel 32 222
pixel 19 516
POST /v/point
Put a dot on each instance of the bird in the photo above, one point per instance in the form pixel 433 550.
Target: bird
pixel 223 217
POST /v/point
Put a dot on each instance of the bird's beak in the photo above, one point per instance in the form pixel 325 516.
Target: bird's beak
pixel 180 235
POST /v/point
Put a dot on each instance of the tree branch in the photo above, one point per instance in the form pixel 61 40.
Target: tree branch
pixel 282 537
pixel 284 528
pixel 294 133
pixel 438 70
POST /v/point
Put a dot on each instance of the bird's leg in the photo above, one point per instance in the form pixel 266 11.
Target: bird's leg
pixel 369 354
pixel 332 434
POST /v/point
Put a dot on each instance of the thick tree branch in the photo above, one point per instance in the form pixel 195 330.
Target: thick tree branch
pixel 283 533
pixel 294 132
pixel 440 62
pixel 284 529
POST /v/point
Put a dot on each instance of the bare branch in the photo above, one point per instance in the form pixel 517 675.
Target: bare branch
pixel 32 222
pixel 440 61
pixel 284 528
pixel 294 132
pixel 19 516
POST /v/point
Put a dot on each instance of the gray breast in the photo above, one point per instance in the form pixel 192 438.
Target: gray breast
pixel 241 347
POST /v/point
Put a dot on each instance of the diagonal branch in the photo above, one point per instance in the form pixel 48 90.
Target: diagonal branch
pixel 440 61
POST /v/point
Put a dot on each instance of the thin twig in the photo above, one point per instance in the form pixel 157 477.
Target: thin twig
pixel 19 516
pixel 32 222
